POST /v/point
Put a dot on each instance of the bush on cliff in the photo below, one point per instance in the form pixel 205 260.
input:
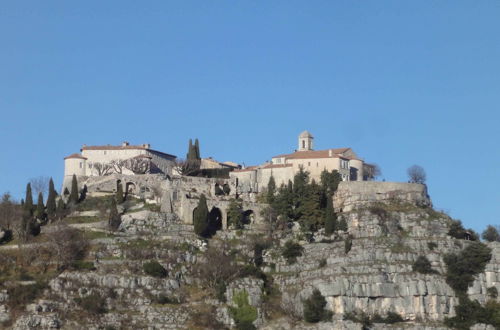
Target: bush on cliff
pixel 314 308
pixel 243 314
pixel 153 268
pixel 462 267
pixel 291 251
pixel 423 266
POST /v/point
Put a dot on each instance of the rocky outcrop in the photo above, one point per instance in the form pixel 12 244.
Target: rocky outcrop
pixel 356 194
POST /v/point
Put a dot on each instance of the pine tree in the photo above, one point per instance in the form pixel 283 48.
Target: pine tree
pixel 74 196
pixel 200 217
pixel 119 194
pixel 40 208
pixel 28 201
pixel 330 217
pixel 51 199
pixel 60 208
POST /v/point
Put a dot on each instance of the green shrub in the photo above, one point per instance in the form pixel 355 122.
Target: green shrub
pixel 393 317
pixel 423 265
pixel 83 265
pixel 163 299
pixel 432 246
pixel 243 314
pixel 94 303
pixel 459 232
pixel 291 251
pixel 468 313
pixel 462 267
pixel 153 268
pixel 314 308
pixel 492 292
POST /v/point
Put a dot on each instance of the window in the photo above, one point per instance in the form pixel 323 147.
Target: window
pixel 303 144
pixel 81 165
pixel 309 164
pixel 104 151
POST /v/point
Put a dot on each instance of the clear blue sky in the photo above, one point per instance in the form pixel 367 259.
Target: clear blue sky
pixel 401 82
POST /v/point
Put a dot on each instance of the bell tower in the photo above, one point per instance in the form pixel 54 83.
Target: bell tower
pixel 305 141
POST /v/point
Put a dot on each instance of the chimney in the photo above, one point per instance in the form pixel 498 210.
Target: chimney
pixel 125 144
pixel 146 145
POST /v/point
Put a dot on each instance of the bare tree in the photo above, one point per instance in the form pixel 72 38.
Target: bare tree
pixel 139 165
pixel 416 174
pixel 101 169
pixel 40 185
pixel 371 171
pixel 118 165
pixel 66 245
pixel 10 212
pixel 187 166
pixel 217 266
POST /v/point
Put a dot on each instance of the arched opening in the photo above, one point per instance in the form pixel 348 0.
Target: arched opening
pixel 192 215
pixel 248 217
pixel 118 183
pixel 130 188
pixel 214 221
pixel 218 190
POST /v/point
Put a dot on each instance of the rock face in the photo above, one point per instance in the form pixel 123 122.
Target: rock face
pixel 366 270
pixel 356 194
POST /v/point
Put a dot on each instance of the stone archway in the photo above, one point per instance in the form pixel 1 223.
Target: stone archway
pixel 130 188
pixel 214 221
pixel 248 217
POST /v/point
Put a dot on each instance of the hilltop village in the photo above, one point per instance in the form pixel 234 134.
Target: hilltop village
pixel 141 239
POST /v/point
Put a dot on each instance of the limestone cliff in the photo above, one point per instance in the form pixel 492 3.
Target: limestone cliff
pixel 366 270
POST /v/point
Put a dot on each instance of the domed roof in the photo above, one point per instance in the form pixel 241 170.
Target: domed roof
pixel 305 134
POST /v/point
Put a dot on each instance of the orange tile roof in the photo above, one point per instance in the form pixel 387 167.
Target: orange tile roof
pixel 276 166
pixel 336 153
pixel 126 147
pixel 75 156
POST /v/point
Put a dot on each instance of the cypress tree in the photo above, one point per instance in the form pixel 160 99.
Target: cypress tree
pixel 60 208
pixel 330 217
pixel 190 155
pixel 119 194
pixel 271 190
pixel 51 199
pixel 28 201
pixel 200 217
pixel 74 195
pixel 197 149
pixel 40 208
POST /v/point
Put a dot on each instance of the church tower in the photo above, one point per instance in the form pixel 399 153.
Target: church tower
pixel 305 141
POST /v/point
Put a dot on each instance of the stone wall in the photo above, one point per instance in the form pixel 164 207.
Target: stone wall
pixel 356 194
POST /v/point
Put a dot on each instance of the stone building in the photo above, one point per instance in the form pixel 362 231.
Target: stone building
pixel 284 167
pixel 123 159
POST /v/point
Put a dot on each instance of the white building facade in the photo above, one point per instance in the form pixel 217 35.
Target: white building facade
pixel 123 159
pixel 284 167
